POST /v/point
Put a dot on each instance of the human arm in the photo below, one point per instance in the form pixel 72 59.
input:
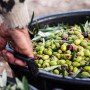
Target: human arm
pixel 17 19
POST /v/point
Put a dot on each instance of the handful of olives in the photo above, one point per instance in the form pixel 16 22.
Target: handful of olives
pixel 67 48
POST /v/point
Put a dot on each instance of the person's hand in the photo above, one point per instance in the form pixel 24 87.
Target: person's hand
pixel 20 42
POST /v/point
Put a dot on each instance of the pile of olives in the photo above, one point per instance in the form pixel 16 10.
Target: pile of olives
pixel 69 48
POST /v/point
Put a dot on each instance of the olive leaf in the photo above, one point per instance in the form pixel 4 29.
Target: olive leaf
pixel 19 84
pixel 73 55
pixel 85 27
pixel 25 84
pixel 46 30
pixel 51 68
pixel 82 28
pixel 77 74
pixel 36 38
pixel 31 20
pixel 63 68
pixel 11 87
pixel 69 42
pixel 3 79
pixel 43 41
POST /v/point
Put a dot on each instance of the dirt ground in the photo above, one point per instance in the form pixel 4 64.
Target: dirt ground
pixel 44 7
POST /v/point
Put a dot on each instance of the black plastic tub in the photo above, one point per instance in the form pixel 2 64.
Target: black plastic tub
pixel 48 81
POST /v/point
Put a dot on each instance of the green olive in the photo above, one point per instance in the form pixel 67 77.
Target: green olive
pixel 71 68
pixel 75 69
pixel 60 51
pixel 77 41
pixel 36 61
pixel 54 58
pixel 80 49
pixel 40 61
pixel 78 59
pixel 75 48
pixel 49 52
pixel 53 46
pixel 39 65
pixel 37 48
pixel 68 52
pixel 45 64
pixel 82 63
pixel 59 34
pixel 89 36
pixel 58 55
pixel 61 62
pixel 87 59
pixel 40 52
pixel 83 43
pixel 81 53
pixel 85 74
pixel 35 53
pixel 65 73
pixel 87 68
pixel 63 47
pixel 45 57
pixel 53 63
pixel 56 71
pixel 76 64
pixel 41 48
pixel 67 56
pixel 45 51
pixel 47 44
pixel 86 52
pixel 46 61
pixel 68 62
pixel 54 53
pixel 57 44
pixel 88 47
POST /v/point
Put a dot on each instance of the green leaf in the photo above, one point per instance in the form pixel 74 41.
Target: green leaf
pixel 51 67
pixel 36 38
pixel 77 74
pixel 31 20
pixel 69 42
pixel 4 78
pixel 46 30
pixel 8 87
pixel 11 87
pixel 73 55
pixel 86 24
pixel 82 28
pixel 25 84
pixel 19 84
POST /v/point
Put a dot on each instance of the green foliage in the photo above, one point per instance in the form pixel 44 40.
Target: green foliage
pixel 19 85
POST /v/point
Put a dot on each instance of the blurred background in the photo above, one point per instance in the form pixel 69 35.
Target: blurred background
pixel 44 7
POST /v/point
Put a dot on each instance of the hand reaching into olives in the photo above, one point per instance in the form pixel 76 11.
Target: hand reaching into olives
pixel 20 41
